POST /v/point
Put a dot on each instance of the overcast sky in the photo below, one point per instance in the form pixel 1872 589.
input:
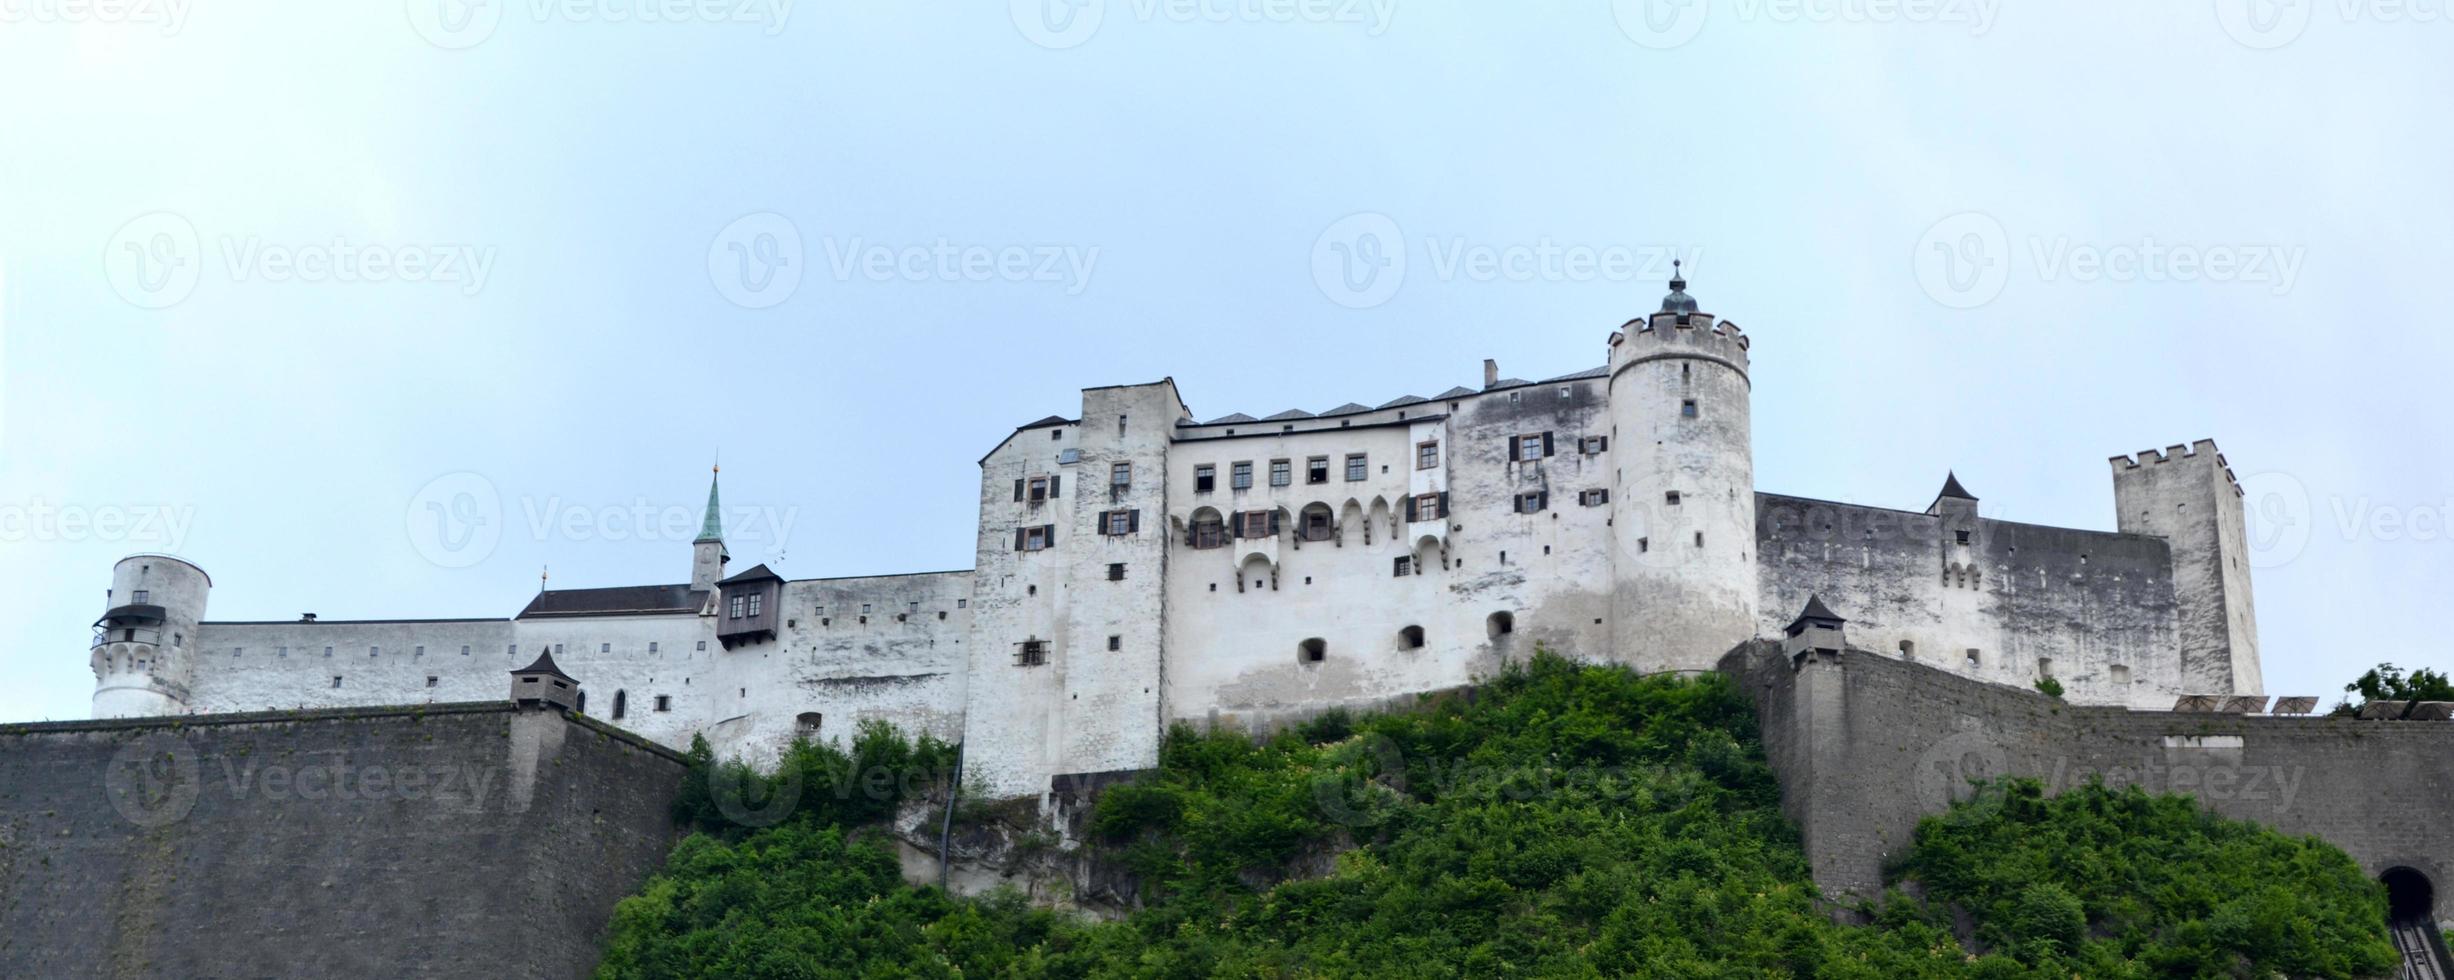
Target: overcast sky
pixel 376 312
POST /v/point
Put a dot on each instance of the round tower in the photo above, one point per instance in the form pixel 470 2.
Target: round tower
pixel 1683 588
pixel 142 646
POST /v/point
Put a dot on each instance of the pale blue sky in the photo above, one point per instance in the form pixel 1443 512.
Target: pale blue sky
pixel 284 429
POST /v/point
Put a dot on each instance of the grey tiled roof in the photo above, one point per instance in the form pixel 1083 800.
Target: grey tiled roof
pixel 1289 415
pixel 1349 408
pixel 1585 375
pixel 1231 419
pixel 1404 400
pixel 1460 391
pixel 626 600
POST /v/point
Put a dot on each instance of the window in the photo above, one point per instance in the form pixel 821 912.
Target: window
pixel 754 603
pixel 1031 653
pixel 1055 434
pixel 1403 567
pixel 1908 650
pixel 1687 408
pixel 1207 532
pixel 464 648
pixel 1120 474
pixel 2121 674
pixel 734 606
pixel 1357 467
pixel 1671 498
pixel 1410 638
pixel 1316 469
pixel 143 596
pixel 1699 539
pixel 1427 507
pixel 1041 489
pixel 432 680
pixel 1427 455
pixel 651 647
pixel 1115 642
pixel 2045 667
pixel 702 644
pixel 1500 624
pixel 808 723
pixel 1527 448
pixel 1316 525
pixel 608 647
pixel 1592 445
pixel 1960 536
pixel 622 704
pixel 864 609
pixel 1117 523
pixel 1974 660
pixel 1282 472
pixel 664 702
pixel 1257 524
pixel 1205 478
pixel 1593 498
pixel 1532 501
pixel 1034 538
pixel 1563 393
pixel 1240 476
pixel 1116 571
pixel 336 680
pixel 1312 651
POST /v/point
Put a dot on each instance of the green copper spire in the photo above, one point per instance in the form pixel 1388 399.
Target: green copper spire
pixel 712 529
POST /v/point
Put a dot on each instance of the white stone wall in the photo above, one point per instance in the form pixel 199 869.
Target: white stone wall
pixel 1686 588
pixel 2187 495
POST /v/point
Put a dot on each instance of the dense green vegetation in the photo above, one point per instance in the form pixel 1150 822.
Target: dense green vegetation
pixel 1565 821
pixel 2387 682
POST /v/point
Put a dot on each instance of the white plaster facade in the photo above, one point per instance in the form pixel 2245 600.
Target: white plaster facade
pixel 1137 568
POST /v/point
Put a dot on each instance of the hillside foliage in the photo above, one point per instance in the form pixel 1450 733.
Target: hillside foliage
pixel 1565 820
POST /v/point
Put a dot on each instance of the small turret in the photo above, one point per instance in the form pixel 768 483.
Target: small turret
pixel 541 684
pixel 707 554
pixel 1816 632
pixel 140 654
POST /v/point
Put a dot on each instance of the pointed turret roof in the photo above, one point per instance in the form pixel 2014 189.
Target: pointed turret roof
pixel 1678 301
pixel 1815 614
pixel 712 529
pixel 544 664
pixel 1953 489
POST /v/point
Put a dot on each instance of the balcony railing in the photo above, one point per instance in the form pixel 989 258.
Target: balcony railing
pixel 127 634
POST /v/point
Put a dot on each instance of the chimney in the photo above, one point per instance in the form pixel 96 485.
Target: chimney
pixel 306 617
pixel 1491 372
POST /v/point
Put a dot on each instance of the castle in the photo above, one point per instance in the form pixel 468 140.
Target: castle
pixel 1137 568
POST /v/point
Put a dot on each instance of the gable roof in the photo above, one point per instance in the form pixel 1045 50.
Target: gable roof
pixel 544 664
pixel 754 573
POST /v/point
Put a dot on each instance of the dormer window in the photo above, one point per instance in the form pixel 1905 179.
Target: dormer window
pixel 754 604
pixel 737 605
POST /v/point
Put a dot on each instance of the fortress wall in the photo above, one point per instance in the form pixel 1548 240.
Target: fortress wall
pixel 905 665
pixel 453 840
pixel 281 666
pixel 2088 601
pixel 1866 747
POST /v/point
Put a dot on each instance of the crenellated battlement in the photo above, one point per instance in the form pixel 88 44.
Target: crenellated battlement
pixel 2202 449
pixel 1672 334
